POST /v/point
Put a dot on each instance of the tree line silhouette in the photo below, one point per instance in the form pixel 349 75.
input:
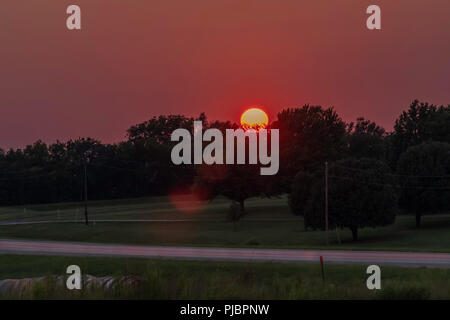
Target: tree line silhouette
pixel 414 157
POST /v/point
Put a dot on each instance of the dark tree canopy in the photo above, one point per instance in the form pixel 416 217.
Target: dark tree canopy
pixel 425 179
pixel 361 193
pixel 422 122
pixel 142 166
pixel 308 136
pixel 237 182
pixel 366 140
pixel 43 173
pixel 160 128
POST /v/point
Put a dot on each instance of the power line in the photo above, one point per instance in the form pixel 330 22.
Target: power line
pixel 388 184
pixel 28 177
pixel 22 172
pixel 392 174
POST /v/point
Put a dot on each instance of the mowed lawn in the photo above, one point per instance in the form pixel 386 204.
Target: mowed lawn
pixel 169 279
pixel 186 222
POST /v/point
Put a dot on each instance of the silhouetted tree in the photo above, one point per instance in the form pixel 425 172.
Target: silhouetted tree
pixel 309 136
pixel 422 122
pixel 237 182
pixel 361 194
pixel 366 140
pixel 425 179
pixel 160 128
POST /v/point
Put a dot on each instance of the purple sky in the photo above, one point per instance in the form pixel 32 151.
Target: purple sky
pixel 135 59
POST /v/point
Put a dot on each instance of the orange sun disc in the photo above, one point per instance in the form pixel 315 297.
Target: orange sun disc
pixel 254 118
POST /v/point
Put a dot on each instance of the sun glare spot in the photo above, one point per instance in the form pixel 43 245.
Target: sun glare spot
pixel 254 118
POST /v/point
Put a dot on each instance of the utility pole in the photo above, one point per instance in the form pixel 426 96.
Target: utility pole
pixel 326 201
pixel 85 194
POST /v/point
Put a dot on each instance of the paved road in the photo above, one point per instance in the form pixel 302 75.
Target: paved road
pixel 408 259
pixel 15 223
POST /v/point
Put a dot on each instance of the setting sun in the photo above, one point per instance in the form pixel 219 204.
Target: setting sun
pixel 254 118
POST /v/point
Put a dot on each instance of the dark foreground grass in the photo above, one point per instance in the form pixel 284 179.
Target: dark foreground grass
pixel 170 279
pixel 433 236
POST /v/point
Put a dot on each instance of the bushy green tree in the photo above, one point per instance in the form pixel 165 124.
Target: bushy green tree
pixel 237 182
pixel 361 194
pixel 309 136
pixel 422 122
pixel 424 172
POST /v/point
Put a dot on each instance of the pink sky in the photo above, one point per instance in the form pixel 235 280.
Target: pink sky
pixel 135 59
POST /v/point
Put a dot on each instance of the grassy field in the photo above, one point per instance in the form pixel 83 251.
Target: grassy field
pixel 166 279
pixel 269 224
pixel 175 208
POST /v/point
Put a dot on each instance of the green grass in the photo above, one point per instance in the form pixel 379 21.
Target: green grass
pixel 168 279
pixel 145 208
pixel 268 224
